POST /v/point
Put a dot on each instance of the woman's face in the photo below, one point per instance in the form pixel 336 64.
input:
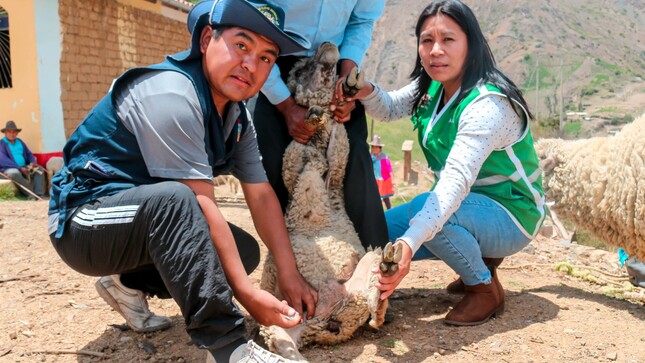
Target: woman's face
pixel 376 150
pixel 443 48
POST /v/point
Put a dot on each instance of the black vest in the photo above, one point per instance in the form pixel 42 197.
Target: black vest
pixel 102 157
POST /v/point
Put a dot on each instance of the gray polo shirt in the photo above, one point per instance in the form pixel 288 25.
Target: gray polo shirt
pixel 163 111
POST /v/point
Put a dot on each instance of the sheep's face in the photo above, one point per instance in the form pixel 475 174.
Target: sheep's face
pixel 327 55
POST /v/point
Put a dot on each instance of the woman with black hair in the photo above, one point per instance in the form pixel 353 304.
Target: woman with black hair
pixel 473 126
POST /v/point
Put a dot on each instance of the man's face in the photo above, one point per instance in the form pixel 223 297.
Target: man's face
pixel 11 135
pixel 236 64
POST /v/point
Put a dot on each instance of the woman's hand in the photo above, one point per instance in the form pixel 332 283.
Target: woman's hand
pixel 267 310
pixel 340 106
pixel 387 284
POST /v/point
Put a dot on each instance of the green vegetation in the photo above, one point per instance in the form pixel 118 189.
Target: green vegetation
pixel 573 128
pixel 615 69
pixel 583 237
pixel 7 193
pixel 599 79
pixel 393 134
pixel 607 110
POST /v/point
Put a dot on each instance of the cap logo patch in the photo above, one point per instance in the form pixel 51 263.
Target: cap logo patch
pixel 270 14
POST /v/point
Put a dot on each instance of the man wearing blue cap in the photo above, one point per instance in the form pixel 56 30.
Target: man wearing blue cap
pixel 134 201
pixel 349 25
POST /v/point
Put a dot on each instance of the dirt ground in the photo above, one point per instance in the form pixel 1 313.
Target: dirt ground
pixel 49 313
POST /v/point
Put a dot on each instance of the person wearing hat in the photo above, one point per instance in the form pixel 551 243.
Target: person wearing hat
pixel 349 25
pixel 382 171
pixel 18 163
pixel 134 201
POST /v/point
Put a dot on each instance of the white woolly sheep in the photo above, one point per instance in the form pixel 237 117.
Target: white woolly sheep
pixel 324 241
pixel 599 184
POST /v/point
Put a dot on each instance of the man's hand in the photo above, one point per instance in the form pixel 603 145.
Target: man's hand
pixel 387 284
pixel 25 171
pixel 267 310
pixel 298 293
pixel 294 116
pixel 269 222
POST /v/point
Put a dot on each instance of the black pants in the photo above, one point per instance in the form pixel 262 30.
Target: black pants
pixel 157 238
pixel 362 199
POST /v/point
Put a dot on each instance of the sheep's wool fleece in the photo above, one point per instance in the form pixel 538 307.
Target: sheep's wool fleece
pixel 599 184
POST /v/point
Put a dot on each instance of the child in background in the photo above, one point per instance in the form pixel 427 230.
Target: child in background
pixel 382 171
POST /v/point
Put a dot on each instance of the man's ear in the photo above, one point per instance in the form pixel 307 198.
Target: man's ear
pixel 205 38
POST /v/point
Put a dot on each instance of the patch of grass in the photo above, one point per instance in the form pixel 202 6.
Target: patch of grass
pixel 393 134
pixel 7 193
pixel 585 238
pixel 607 110
pixel 573 128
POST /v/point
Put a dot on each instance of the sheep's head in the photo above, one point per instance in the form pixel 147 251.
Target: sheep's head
pixel 549 154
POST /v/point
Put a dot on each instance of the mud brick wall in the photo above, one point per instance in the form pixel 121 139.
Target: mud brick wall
pixel 103 38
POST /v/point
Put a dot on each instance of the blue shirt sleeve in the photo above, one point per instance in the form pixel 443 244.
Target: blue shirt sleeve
pixel 358 32
pixel 348 24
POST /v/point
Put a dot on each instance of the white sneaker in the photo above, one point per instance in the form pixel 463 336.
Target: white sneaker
pixel 131 304
pixel 251 353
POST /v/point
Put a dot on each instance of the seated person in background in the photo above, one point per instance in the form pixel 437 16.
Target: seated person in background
pixel 18 163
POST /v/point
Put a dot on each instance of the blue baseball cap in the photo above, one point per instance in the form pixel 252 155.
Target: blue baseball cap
pixel 259 16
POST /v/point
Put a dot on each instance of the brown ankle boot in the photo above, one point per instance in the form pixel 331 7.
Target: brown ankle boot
pixel 457 287
pixel 480 303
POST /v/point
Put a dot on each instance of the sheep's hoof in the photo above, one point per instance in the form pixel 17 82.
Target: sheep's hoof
pixel 314 116
pixel 353 83
pixel 391 257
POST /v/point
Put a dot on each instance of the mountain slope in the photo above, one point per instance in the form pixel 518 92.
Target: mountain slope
pixel 597 48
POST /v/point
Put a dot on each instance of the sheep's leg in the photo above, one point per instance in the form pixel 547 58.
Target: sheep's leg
pixel 363 282
pixel 293 162
pixel 285 341
pixel 354 81
pixel 337 152
pixel 391 257
pixel 308 209
pixel 314 116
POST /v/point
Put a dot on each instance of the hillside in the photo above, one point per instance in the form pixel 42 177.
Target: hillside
pixel 597 48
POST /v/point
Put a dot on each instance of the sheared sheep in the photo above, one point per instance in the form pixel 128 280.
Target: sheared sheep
pixel 328 251
pixel 599 184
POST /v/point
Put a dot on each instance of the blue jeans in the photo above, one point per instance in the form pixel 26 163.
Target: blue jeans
pixel 479 228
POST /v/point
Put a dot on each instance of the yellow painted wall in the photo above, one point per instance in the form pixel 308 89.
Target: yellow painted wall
pixel 21 103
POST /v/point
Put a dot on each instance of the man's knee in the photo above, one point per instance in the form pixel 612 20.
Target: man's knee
pixel 172 190
pixel 13 172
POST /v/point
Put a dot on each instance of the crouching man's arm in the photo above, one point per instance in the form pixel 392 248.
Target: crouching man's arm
pixel 263 306
pixel 269 222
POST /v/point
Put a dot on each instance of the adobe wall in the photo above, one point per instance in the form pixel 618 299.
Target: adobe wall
pixel 103 38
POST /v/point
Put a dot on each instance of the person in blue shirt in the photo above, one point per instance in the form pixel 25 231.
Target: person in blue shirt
pixel 18 163
pixel 134 202
pixel 349 25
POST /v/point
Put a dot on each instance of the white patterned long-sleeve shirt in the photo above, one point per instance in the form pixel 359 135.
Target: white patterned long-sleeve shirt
pixel 487 124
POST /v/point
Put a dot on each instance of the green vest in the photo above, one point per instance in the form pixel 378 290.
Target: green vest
pixel 509 176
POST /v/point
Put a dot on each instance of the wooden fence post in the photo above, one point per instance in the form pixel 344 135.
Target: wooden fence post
pixel 407 158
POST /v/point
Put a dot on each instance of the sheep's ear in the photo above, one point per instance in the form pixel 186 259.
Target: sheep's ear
pixel 547 165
